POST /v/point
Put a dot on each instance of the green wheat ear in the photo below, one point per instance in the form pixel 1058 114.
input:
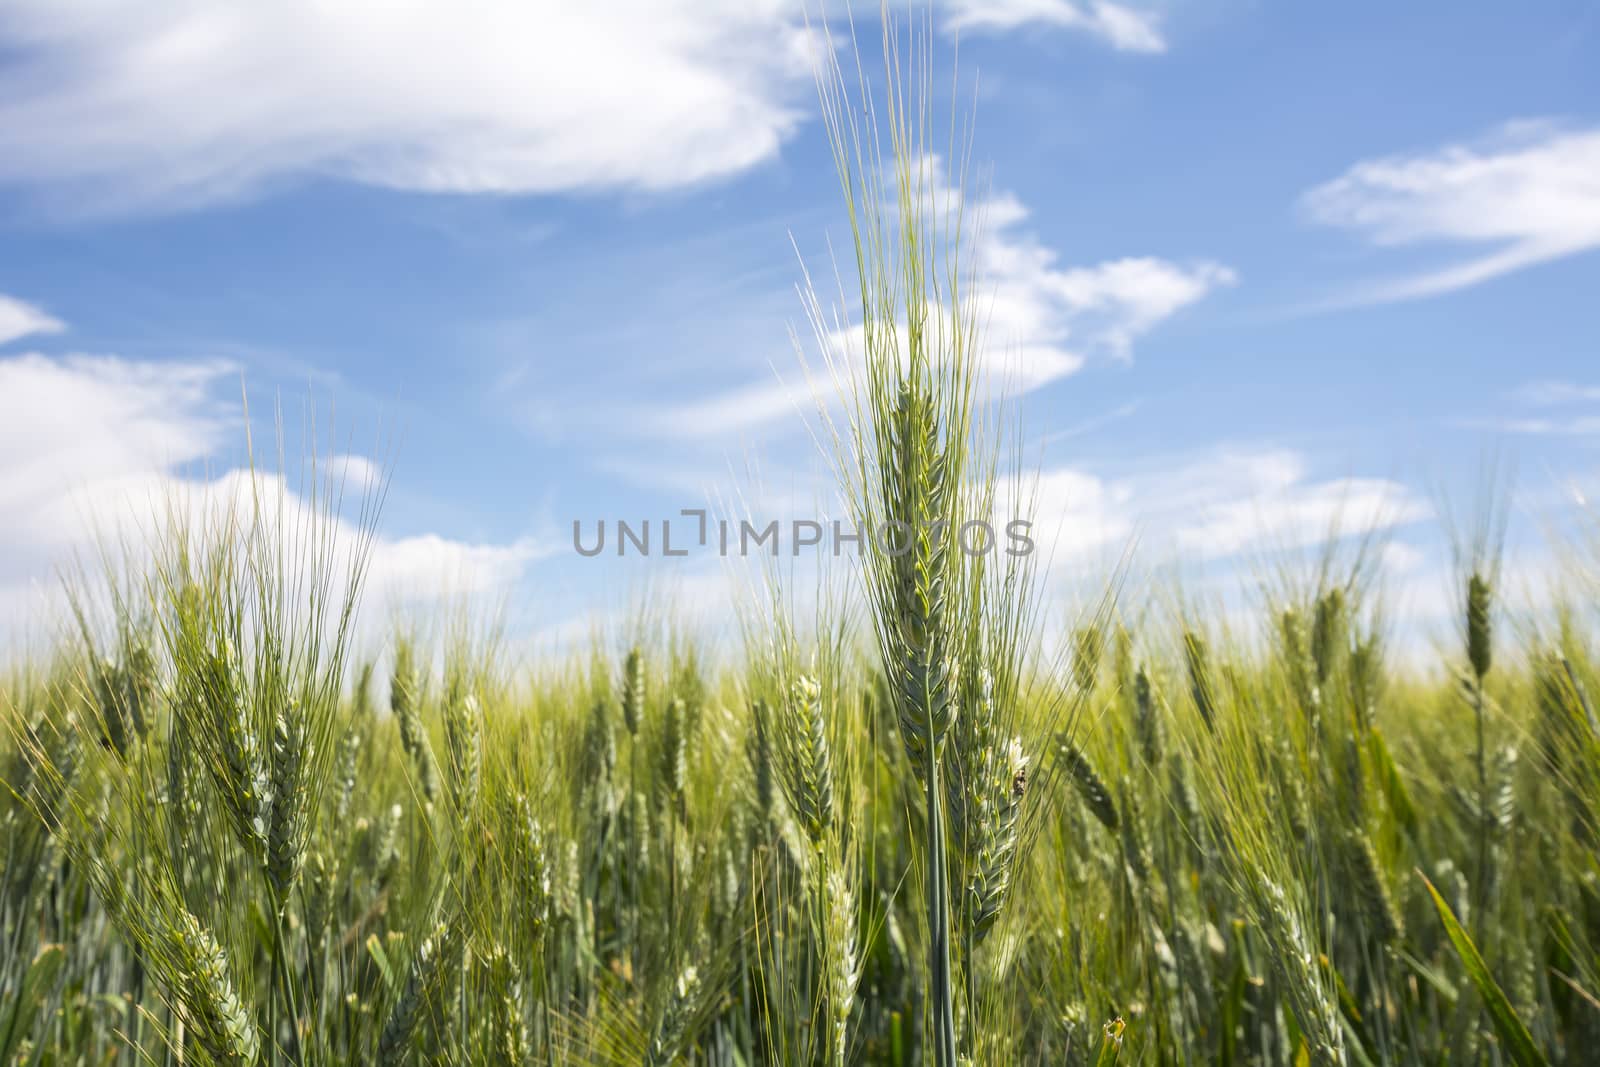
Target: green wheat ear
pixel 633 691
pixel 216 707
pixel 1147 723
pixel 993 848
pixel 511 1043
pixel 531 869
pixel 675 753
pixel 1089 643
pixel 1201 684
pixel 600 742
pixel 672 1027
pixel 405 695
pixel 804 759
pixel 1329 629
pixel 321 885
pixel 1480 603
pixel 759 753
pixel 463 731
pixel 422 988
pixel 917 612
pixel 842 961
pixel 347 769
pixel 1377 904
pixel 218 1018
pixel 1081 773
pixel 286 835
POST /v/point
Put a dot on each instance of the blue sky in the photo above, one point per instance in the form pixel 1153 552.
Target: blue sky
pixel 1265 261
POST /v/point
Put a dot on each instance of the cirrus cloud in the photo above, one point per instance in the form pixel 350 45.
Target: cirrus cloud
pixel 1529 192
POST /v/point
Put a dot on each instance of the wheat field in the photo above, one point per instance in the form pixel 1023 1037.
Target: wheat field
pixel 924 824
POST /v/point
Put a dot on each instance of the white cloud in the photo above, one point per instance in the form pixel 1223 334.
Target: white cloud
pixel 354 474
pixel 123 107
pixel 1557 394
pixel 428 565
pixel 192 103
pixel 1221 504
pixel 19 319
pixel 1566 409
pixel 1528 193
pixel 1041 321
pixel 1572 426
pixel 1119 25
pixel 1401 559
pixel 1076 515
pixel 1296 515
pixel 93 423
pixel 97 450
pixel 1108 305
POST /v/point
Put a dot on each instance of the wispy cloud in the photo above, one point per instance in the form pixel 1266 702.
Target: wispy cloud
pixel 1122 26
pixel 1573 426
pixel 733 412
pixel 1089 425
pixel 19 319
pixel 1528 193
pixel 1560 409
pixel 1556 394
